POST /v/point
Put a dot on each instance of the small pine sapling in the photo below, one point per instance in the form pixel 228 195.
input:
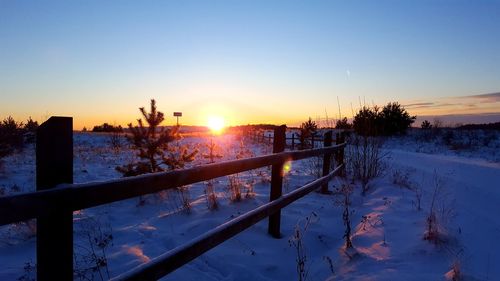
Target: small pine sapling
pixel 150 142
pixel 308 130
pixel 213 152
pixel 177 156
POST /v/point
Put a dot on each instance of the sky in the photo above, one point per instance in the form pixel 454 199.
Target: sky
pixel 247 61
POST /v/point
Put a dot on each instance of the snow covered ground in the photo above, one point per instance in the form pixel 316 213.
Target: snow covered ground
pixel 387 227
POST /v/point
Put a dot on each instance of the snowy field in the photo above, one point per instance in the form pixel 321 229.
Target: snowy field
pixel 388 227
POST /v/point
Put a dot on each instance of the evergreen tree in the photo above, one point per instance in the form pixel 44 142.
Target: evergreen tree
pixel 391 120
pixel 151 141
pixel 343 124
pixel 395 119
pixel 426 125
pixel 30 130
pixel 367 121
pixel 11 136
pixel 308 129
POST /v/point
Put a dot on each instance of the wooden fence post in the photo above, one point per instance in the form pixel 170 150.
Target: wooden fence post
pixel 339 155
pixel 293 141
pixel 277 181
pixel 327 141
pixel 312 141
pixel 54 165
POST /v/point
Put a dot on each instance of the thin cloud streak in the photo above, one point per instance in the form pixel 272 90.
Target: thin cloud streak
pixel 484 98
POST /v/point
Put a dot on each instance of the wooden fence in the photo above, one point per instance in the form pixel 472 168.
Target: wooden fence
pixel 57 197
pixel 292 141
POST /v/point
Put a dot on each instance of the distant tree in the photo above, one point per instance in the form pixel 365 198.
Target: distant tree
pixel 31 125
pixel 307 130
pixel 11 136
pixel 426 125
pixel 391 120
pixel 343 124
pixel 367 121
pixel 107 128
pixel 395 119
pixel 152 145
pixel 30 130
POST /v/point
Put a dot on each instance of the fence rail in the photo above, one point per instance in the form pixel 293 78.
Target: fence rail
pixel 52 205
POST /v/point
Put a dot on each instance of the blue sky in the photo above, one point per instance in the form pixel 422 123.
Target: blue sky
pixel 250 61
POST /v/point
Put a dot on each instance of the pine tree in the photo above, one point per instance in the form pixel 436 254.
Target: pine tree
pixel 152 145
pixel 11 136
pixel 308 129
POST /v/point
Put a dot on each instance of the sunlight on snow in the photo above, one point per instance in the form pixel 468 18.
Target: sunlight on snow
pixel 136 251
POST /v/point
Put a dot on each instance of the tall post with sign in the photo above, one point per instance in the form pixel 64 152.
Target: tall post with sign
pixel 177 114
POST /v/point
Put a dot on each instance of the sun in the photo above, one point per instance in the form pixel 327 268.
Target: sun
pixel 216 124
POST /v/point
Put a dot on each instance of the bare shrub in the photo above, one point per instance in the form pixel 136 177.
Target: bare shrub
pixel 29 272
pixel 297 242
pixel 418 197
pixel 455 272
pixel 211 196
pixel 364 159
pixel 344 201
pixel 402 178
pixel 115 141
pixel 185 198
pixel 90 259
pixel 329 261
pixel 235 186
pixel 315 166
pixel 441 212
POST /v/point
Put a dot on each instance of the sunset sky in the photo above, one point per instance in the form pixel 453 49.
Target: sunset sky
pixel 247 61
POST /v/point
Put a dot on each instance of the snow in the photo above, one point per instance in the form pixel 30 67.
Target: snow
pixel 387 234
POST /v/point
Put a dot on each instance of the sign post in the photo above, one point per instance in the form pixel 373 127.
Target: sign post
pixel 177 114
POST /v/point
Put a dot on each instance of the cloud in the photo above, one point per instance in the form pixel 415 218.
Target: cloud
pixel 427 105
pixel 484 98
pixel 452 119
pixel 418 105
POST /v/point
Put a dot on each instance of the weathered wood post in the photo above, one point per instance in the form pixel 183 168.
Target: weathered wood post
pixel 293 141
pixel 327 141
pixel 277 181
pixel 342 154
pixel 312 141
pixel 339 154
pixel 54 165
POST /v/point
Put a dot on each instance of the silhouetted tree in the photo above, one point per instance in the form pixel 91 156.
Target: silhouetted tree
pixel 395 119
pixel 367 121
pixel 11 136
pixel 152 144
pixel 30 130
pixel 426 125
pixel 308 129
pixel 392 119
pixel 107 128
pixel 343 124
